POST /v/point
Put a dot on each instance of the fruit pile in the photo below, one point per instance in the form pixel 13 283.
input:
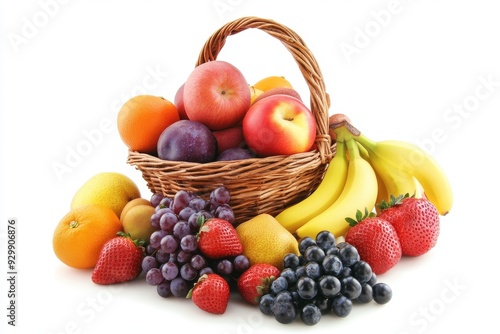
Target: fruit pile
pixel 377 202
pixel 217 116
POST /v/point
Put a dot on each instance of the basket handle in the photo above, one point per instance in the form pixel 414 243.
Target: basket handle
pixel 319 99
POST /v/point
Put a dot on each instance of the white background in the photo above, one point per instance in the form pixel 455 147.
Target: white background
pixel 67 66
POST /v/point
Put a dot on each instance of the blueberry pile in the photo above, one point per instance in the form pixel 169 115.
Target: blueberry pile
pixel 326 278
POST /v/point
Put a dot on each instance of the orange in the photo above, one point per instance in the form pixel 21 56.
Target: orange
pixel 272 81
pixel 142 119
pixel 82 232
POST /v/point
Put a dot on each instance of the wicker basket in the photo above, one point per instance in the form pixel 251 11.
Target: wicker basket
pixel 258 185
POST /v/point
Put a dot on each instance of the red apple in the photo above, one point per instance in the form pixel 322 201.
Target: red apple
pixel 216 94
pixel 179 102
pixel 229 138
pixel 279 125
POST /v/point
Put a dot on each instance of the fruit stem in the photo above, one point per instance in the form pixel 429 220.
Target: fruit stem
pixel 344 130
pixel 365 142
pixel 352 148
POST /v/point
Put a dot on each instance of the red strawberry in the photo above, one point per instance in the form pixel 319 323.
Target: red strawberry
pixel 218 239
pixel 416 221
pixel 376 241
pixel 256 280
pixel 211 293
pixel 119 261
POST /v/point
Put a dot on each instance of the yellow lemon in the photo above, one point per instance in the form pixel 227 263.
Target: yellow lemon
pixel 272 81
pixel 265 240
pixel 113 190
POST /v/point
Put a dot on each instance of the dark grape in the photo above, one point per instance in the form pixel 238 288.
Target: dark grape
pixel 187 272
pixel 329 286
pixel 305 243
pixel 181 200
pixel 170 270
pixel 225 267
pixel 155 199
pixel 307 288
pixel 349 255
pixel 149 262
pixel 332 265
pixel 169 244
pixel 168 221
pixel 154 276
pixel 351 288
pixel 241 263
pixel 181 229
pixel 198 262
pixel 155 238
pixel 361 271
pixel 310 314
pixel 284 312
pixel 278 285
pixel 197 204
pixel 179 287
pixel 163 289
pixel 206 271
pixel 382 293
pixel 220 195
pixel 325 240
pixel 162 256
pixel 184 257
pixel 366 295
pixel 186 213
pixel 189 243
pixel 291 261
pixel 314 253
pixel 341 306
pixel 266 304
pixel 164 203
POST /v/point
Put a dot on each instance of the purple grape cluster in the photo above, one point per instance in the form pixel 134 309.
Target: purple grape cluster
pixel 173 262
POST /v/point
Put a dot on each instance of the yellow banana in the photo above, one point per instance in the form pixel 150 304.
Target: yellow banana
pixel 396 181
pixel 359 193
pixel 322 197
pixel 415 161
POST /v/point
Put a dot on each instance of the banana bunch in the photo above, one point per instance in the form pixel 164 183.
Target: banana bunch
pixel 362 174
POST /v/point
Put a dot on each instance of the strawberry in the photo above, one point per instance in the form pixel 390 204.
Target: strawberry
pixel 416 221
pixel 218 239
pixel 376 241
pixel 120 260
pixel 210 293
pixel 256 280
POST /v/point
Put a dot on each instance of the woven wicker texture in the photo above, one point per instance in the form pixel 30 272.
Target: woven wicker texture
pixel 259 185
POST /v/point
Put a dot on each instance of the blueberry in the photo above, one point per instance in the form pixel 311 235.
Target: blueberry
pixel 304 243
pixel 266 304
pixel 325 240
pixel 314 253
pixel 332 251
pixel 361 271
pixel 373 280
pixel 341 306
pixel 346 272
pixel 284 296
pixel 307 288
pixel 349 255
pixel 300 271
pixel 310 314
pixel 284 312
pixel 278 285
pixel 382 293
pixel 323 303
pixel 313 270
pixel 290 276
pixel 291 261
pixel 329 286
pixel 332 265
pixel 366 295
pixel 351 288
